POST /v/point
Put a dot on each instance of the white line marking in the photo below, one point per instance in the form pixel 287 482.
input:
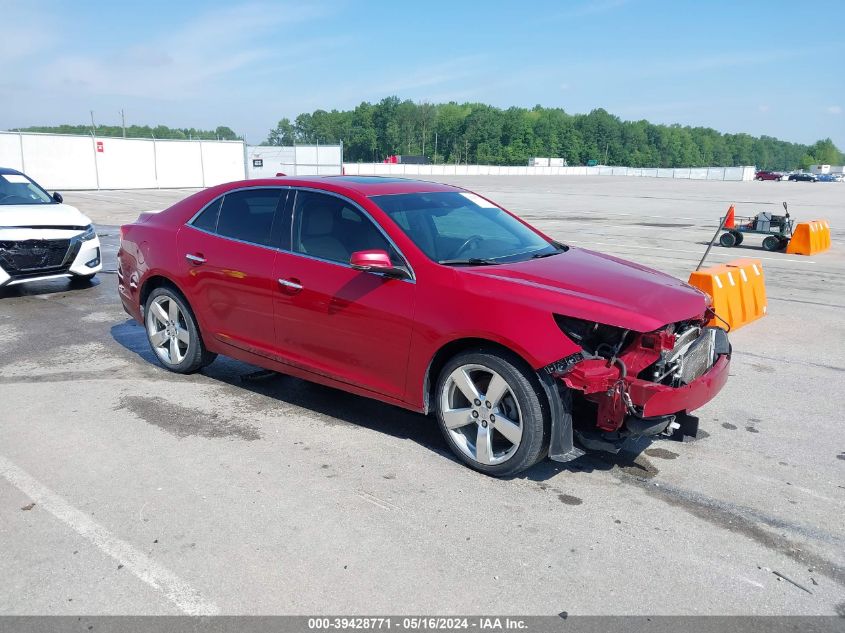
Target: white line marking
pixel 104 196
pixel 186 598
pixel 678 250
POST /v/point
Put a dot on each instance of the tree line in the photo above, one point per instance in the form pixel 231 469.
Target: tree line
pixel 221 133
pixel 482 134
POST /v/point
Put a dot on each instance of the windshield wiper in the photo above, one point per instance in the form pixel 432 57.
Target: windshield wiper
pixel 472 261
pixel 539 255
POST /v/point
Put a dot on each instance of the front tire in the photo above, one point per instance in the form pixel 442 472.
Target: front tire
pixel 727 240
pixel 772 243
pixel 173 333
pixel 491 411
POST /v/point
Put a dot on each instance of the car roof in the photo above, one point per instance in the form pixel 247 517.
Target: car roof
pixel 8 171
pixel 362 185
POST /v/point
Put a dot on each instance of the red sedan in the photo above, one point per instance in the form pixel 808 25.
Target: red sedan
pixel 428 297
pixel 768 175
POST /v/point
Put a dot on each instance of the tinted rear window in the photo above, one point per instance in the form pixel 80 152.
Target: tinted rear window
pixel 207 220
pixel 248 215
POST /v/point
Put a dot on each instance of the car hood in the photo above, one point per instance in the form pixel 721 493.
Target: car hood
pixel 587 285
pixel 41 215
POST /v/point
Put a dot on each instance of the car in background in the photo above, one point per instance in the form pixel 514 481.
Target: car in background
pixel 829 178
pixel 803 177
pixel 40 236
pixel 428 297
pixel 768 175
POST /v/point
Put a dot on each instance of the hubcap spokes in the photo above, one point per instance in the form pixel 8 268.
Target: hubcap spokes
pixel 481 414
pixel 167 330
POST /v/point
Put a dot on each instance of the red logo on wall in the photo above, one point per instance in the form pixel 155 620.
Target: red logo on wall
pixel 100 146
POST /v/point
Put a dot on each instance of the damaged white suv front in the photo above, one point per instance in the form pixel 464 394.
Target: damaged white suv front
pixel 40 236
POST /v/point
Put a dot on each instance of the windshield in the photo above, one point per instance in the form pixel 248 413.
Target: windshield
pixel 18 189
pixel 463 228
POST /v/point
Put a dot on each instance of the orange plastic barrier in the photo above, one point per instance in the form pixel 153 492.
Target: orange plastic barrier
pixel 737 289
pixel 809 238
pixel 752 288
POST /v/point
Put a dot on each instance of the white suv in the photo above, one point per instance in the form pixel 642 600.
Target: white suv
pixel 40 236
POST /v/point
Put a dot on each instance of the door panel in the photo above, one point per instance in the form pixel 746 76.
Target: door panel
pixel 350 325
pixel 228 254
pixel 232 290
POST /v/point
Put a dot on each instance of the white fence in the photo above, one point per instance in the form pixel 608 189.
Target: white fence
pixel 265 161
pixel 686 173
pixel 58 161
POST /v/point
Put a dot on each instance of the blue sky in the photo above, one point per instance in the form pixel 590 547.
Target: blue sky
pixel 758 67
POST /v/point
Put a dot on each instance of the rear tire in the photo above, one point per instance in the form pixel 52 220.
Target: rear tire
pixel 727 240
pixel 737 236
pixel 173 333
pixel 492 412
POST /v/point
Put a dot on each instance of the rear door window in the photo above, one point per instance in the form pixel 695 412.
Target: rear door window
pixel 248 215
pixel 207 220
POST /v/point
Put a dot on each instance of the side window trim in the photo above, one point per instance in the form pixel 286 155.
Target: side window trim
pixel 363 212
pixel 281 210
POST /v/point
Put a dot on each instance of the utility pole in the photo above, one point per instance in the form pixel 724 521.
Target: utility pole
pixel 466 151
pixel 123 122
pixel 435 147
pixel 93 127
pixel 606 147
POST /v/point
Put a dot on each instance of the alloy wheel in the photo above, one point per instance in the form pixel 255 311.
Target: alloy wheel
pixel 167 330
pixel 481 414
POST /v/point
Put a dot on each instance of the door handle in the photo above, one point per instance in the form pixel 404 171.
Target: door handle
pixel 195 259
pixel 290 284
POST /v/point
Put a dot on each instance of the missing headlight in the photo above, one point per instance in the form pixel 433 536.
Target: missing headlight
pixel 596 339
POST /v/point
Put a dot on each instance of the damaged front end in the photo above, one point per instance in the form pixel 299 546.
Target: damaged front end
pixel 639 384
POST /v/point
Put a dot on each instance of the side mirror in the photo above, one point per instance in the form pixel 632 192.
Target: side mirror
pixel 377 261
pixel 58 197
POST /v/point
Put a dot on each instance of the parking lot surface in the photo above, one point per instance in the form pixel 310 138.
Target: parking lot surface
pixel 235 491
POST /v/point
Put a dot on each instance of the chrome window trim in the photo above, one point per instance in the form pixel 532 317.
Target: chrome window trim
pixel 278 249
pixel 366 214
pixel 190 221
pixel 190 224
pixel 275 249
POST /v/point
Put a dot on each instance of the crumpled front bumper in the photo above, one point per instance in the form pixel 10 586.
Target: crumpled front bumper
pixel 84 258
pixel 622 395
pixel 656 399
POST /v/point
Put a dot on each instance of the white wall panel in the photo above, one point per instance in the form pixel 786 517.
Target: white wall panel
pixel 178 164
pixel 697 173
pixel 126 164
pixel 222 162
pixel 10 151
pixel 60 162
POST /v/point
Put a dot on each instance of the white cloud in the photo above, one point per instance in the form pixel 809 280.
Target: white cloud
pixel 189 59
pixel 17 41
pixel 834 109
